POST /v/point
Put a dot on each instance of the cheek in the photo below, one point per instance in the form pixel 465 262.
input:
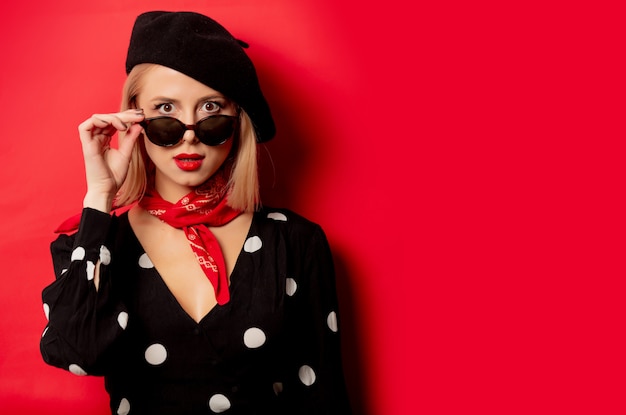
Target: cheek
pixel 220 153
pixel 154 156
pixel 151 150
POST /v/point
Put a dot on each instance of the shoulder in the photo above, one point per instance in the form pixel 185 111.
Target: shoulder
pixel 297 240
pixel 298 234
pixel 288 221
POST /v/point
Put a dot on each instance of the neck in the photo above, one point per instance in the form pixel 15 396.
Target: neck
pixel 173 192
pixel 170 191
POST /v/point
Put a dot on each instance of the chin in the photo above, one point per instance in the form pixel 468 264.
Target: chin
pixel 194 182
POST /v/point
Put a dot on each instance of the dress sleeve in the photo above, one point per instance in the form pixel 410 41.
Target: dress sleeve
pixel 317 386
pixel 83 322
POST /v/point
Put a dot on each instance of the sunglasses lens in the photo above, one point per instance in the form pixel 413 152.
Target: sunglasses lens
pixel 216 129
pixel 167 131
pixel 164 131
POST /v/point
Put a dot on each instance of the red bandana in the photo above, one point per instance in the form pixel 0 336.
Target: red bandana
pixel 205 206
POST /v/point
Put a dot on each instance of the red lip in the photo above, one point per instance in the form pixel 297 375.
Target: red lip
pixel 188 162
pixel 188 156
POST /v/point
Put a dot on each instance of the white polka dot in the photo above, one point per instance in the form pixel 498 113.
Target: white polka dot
pixel 254 337
pixel 105 255
pixel 78 254
pixel 124 407
pixel 331 320
pixel 63 271
pixel 44 332
pixel 122 319
pixel 306 375
pixel 292 286
pixel 277 216
pixel 219 403
pixel 77 370
pixel 253 244
pixel 46 310
pixel 91 268
pixel 156 354
pixel 278 387
pixel 144 262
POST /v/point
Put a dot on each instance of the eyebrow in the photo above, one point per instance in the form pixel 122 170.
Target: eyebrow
pixel 176 101
pixel 214 96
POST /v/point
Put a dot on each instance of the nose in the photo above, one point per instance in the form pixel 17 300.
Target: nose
pixel 190 134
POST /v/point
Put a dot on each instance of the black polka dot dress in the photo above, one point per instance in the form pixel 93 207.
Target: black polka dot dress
pixel 273 349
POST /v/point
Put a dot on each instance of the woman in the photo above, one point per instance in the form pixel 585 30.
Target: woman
pixel 196 299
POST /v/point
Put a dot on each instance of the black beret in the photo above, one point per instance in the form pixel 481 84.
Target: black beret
pixel 204 50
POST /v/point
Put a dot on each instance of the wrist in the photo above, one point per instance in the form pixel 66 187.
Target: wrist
pixel 98 201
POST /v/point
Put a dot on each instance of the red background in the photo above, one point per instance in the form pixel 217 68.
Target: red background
pixel 464 158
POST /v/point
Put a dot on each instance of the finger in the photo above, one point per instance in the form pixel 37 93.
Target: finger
pixel 99 128
pixel 95 126
pixel 128 117
pixel 110 120
pixel 123 121
pixel 128 141
pixel 118 119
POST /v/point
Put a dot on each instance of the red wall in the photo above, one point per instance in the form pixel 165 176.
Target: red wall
pixel 465 160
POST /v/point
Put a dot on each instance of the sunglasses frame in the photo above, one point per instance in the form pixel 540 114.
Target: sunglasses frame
pixel 185 127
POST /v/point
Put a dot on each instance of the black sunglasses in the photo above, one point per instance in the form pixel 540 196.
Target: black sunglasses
pixel 169 131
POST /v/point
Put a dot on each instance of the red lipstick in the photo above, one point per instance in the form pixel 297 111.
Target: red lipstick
pixel 188 162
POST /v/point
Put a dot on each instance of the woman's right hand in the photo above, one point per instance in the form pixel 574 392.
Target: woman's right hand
pixel 106 167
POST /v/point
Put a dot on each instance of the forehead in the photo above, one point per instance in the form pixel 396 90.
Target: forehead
pixel 161 81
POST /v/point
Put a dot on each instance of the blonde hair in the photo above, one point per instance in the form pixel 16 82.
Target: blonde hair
pixel 244 180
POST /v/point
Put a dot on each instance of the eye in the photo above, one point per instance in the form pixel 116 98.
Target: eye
pixel 165 108
pixel 211 106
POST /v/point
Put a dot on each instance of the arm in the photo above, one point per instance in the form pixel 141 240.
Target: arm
pixel 81 309
pixel 106 167
pixel 83 322
pixel 318 385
